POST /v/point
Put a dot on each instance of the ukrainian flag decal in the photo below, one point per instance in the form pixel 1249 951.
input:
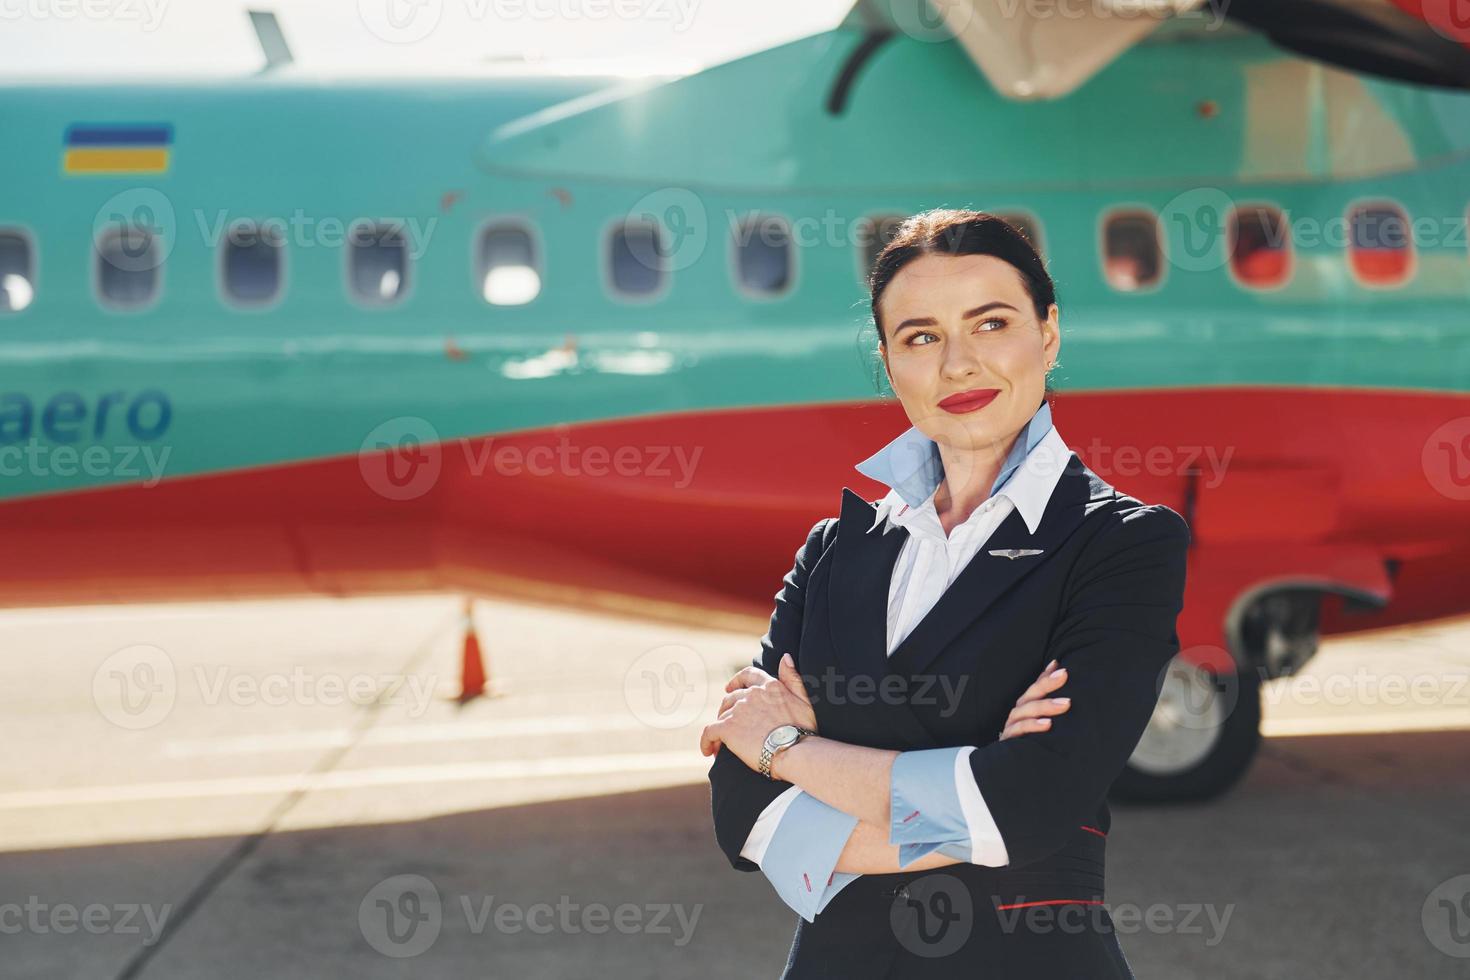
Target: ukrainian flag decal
pixel 117 148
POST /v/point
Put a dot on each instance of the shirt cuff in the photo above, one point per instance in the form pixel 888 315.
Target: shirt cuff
pixel 936 805
pixel 800 856
pixel 765 825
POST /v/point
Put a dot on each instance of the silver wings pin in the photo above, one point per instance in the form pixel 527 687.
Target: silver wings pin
pixel 1016 552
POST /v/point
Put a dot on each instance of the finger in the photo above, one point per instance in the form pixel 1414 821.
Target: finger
pixel 1044 685
pixel 747 677
pixel 1040 708
pixel 791 677
pixel 730 700
pixel 709 739
pixel 1026 726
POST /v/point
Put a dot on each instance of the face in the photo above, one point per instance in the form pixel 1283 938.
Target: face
pixel 962 323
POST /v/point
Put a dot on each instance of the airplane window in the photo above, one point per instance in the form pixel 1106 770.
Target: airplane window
pixel 1379 245
pixel 1026 225
pixel 129 267
pixel 506 266
pixel 637 259
pixel 1260 248
pixel 252 261
pixel 17 274
pixel 1132 257
pixel 763 255
pixel 377 264
pixel 874 234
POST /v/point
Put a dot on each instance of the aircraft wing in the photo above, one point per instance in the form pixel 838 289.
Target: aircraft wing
pixel 1045 49
pixel 1027 50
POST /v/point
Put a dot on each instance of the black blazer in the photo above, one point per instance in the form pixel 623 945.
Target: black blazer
pixel 1102 598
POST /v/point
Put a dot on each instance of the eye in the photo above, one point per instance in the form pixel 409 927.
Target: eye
pixel 917 333
pixel 994 319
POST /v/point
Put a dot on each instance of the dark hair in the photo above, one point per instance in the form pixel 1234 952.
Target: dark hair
pixel 951 231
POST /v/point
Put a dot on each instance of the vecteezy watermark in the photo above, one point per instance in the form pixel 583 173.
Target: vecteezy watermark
pixel 409 21
pixel 1162 918
pixel 1121 462
pixel 138 686
pixel 1445 916
pixel 1200 226
pixel 566 458
pixel 1446 459
pixel 1369 687
pixel 834 687
pixel 402 458
pixel 402 916
pixel 136 230
pixel 46 438
pixel 932 916
pixel 301 230
pixel 676 225
pixel 1449 18
pixel 147 13
pixel 35 458
pixel 38 917
pixel 667 687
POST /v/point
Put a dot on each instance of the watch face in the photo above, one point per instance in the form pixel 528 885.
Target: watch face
pixel 784 735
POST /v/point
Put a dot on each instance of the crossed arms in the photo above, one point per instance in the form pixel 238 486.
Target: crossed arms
pixel 836 811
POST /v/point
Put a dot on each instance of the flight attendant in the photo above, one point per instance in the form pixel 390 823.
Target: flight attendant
pixel 894 761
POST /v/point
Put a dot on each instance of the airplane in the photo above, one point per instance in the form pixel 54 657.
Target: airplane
pixel 527 334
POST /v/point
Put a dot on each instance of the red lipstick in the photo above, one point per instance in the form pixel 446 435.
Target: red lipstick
pixel 969 401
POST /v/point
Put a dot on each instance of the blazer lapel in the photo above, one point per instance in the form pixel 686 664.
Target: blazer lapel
pixel 862 567
pixel 986 577
pixel 858 587
pixel 857 599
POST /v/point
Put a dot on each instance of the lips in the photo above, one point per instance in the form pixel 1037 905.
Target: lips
pixel 968 401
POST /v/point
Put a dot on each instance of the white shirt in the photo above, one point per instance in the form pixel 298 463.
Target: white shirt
pixel 928 562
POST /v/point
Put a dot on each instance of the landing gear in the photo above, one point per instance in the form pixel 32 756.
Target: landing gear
pixel 1206 727
pixel 1200 740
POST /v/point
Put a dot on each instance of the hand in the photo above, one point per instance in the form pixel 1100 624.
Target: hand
pixel 1033 707
pixel 755 703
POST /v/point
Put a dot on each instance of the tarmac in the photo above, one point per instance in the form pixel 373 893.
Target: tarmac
pixel 290 789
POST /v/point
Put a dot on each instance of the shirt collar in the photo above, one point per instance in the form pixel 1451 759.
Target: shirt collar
pixel 911 467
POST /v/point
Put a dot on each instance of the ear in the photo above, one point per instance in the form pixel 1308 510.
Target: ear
pixel 1051 334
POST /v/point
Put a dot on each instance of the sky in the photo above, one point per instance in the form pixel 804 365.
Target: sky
pixel 102 38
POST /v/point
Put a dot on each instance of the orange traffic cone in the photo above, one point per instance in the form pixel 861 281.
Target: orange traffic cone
pixel 472 678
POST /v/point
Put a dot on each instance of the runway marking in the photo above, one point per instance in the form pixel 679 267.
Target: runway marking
pixel 584 765
pixel 402 735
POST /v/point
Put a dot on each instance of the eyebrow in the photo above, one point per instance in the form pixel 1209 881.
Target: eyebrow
pixel 929 321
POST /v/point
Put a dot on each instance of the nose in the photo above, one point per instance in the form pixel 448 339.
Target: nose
pixel 959 361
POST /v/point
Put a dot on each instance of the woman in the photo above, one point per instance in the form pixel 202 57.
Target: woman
pixel 891 761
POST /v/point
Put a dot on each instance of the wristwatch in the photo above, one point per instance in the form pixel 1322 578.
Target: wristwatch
pixel 781 737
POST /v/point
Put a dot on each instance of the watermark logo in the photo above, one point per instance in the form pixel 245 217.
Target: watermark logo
pixel 1195 223
pixel 683 229
pixel 1446 917
pixel 667 687
pixel 136 687
pixel 932 916
pixel 1446 459
pixel 135 229
pixel 401 916
pixel 401 459
pixel 1448 18
pixel 41 918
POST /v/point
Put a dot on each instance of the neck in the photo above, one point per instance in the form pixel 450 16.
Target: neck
pixel 968 476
